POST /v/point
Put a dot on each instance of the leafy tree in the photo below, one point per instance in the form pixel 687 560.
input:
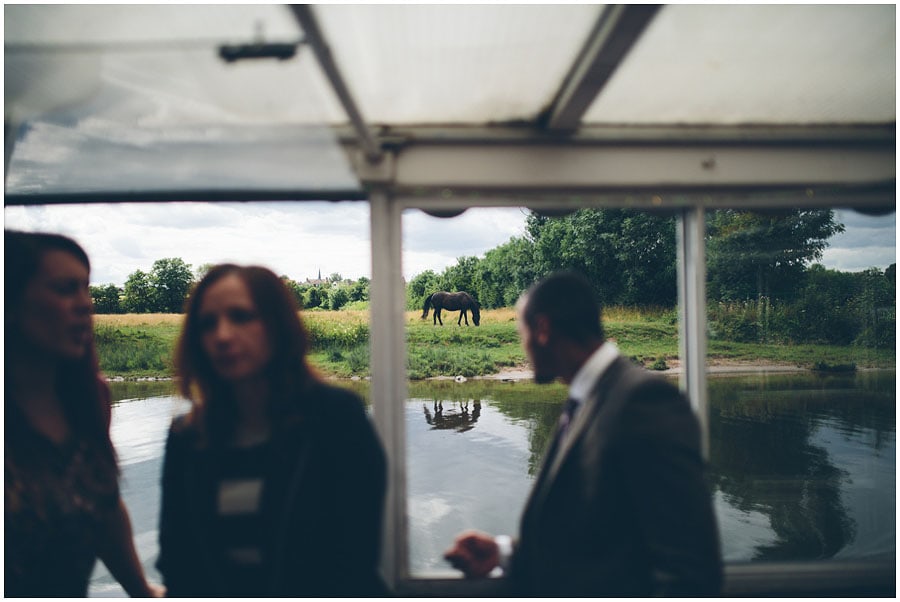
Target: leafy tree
pixel 461 277
pixel 139 294
pixel 202 269
pixel 107 299
pixel 339 297
pixel 360 289
pixel 171 279
pixel 313 297
pixel 421 285
pixel 754 253
pixel 295 288
pixel 646 253
pixel 335 277
pixel 628 256
pixel 876 305
pixel 823 309
pixel 505 272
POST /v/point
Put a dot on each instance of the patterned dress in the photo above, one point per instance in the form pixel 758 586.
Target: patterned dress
pixel 56 499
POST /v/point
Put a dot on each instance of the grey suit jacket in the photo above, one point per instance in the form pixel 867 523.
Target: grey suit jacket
pixel 621 506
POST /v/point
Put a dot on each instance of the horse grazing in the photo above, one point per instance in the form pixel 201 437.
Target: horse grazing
pixel 461 302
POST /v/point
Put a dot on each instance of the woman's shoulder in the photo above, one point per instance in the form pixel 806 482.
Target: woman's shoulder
pixel 183 428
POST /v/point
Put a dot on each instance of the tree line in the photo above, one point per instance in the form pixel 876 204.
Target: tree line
pixel 167 285
pixel 763 282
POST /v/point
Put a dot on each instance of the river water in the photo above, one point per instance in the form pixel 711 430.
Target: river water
pixel 802 466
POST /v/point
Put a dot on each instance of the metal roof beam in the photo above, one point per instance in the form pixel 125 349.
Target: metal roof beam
pixel 656 168
pixel 616 31
pixel 318 43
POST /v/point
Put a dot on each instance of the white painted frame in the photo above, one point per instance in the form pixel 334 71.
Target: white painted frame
pixel 450 171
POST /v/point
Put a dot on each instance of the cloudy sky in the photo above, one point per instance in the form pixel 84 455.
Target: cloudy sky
pixel 182 121
pixel 300 239
pixel 296 239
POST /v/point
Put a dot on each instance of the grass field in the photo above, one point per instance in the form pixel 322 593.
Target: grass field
pixel 135 345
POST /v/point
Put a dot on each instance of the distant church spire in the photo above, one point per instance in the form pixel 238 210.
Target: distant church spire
pixel 320 273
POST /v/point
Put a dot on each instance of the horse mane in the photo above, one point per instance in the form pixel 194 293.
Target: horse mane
pixel 426 306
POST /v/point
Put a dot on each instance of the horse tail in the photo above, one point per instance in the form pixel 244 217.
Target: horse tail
pixel 426 306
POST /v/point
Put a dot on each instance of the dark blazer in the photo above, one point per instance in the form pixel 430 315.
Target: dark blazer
pixel 621 506
pixel 322 503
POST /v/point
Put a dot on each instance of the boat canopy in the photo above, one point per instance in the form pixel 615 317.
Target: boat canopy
pixel 622 104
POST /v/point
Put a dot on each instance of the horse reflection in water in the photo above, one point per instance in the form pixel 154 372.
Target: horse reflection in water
pixel 460 420
pixel 461 302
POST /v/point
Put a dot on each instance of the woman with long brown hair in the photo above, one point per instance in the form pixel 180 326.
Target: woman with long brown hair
pixel 62 506
pixel 274 482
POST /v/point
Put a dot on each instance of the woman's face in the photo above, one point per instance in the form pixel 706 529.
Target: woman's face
pixel 232 332
pixel 55 315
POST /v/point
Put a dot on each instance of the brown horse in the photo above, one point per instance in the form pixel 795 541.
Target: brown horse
pixel 461 302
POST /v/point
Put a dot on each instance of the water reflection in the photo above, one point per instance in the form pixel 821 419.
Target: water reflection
pixel 790 448
pixel 802 466
pixel 458 418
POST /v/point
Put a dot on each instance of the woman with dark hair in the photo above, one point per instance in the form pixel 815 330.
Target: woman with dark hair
pixel 274 482
pixel 62 507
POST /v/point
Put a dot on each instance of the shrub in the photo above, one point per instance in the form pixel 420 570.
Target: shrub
pixel 358 359
pixel 129 350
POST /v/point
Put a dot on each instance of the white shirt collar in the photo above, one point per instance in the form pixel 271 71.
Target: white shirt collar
pixel 590 372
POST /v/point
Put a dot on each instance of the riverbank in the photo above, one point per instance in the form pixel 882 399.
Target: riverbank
pixel 139 347
pixel 524 373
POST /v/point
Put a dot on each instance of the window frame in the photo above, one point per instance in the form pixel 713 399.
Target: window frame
pixel 428 171
pixel 682 171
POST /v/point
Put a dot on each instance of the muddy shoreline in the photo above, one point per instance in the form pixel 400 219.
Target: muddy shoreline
pixel 524 373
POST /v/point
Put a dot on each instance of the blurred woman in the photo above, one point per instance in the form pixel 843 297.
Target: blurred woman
pixel 62 506
pixel 274 482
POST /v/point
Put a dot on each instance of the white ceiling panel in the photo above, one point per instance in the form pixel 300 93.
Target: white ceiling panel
pixel 454 63
pixel 768 64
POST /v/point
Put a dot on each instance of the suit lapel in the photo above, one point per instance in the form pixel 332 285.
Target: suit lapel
pixel 575 431
pixel 561 447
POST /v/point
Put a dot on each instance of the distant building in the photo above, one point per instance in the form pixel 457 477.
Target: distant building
pixel 317 281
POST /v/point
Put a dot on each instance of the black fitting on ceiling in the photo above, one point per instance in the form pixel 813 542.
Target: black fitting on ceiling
pixel 231 53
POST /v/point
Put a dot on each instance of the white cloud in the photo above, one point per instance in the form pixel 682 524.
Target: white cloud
pixel 868 241
pixel 296 239
pixel 300 239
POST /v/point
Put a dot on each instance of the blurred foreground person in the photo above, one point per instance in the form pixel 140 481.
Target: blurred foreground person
pixel 620 506
pixel 274 482
pixel 62 507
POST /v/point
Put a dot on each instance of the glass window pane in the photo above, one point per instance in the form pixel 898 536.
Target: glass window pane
pixel 476 424
pixel 802 383
pixel 472 444
pixel 323 250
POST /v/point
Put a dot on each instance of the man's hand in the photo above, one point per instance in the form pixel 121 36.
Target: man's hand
pixel 474 553
pixel 156 591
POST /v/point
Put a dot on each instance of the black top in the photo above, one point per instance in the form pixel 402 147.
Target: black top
pixel 320 507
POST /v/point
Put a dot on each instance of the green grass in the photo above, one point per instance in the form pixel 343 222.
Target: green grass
pixel 134 351
pixel 135 346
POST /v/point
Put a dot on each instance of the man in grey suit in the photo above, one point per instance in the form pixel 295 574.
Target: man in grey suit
pixel 620 506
